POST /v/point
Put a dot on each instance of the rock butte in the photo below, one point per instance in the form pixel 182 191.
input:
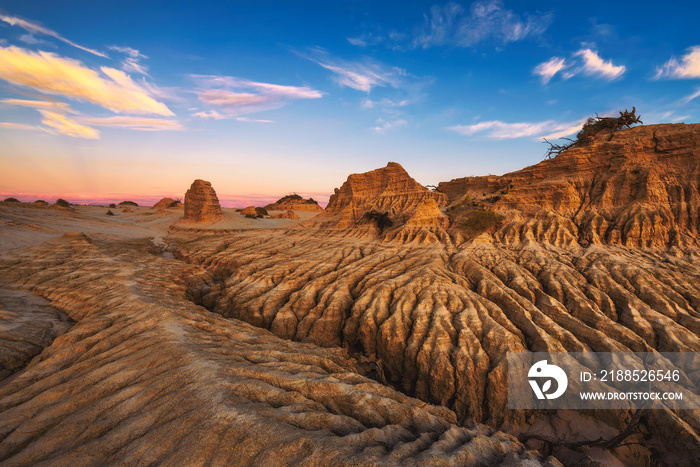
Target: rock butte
pixel 249 211
pixel 168 203
pixel 294 205
pixel 201 203
pixel 598 251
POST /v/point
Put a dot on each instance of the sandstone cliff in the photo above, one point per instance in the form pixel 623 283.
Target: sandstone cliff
pixel 201 203
pixel 438 317
pixel 639 189
pixel 389 191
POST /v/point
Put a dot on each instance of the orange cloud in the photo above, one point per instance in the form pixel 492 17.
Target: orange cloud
pixel 135 123
pixel 50 73
pixel 39 104
pixel 66 126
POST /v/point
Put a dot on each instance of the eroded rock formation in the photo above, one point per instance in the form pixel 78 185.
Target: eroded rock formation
pixel 147 377
pixel 639 189
pixel 438 317
pixel 294 203
pixel 389 190
pixel 201 203
pixel 168 203
pixel 249 211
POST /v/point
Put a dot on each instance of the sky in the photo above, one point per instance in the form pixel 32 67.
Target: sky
pixel 106 101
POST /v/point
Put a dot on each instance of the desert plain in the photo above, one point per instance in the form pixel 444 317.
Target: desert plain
pixel 372 332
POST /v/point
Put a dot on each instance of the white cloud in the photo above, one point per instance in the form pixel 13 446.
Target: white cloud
pixel 132 63
pixel 497 129
pixel 52 74
pixel 360 75
pixel 387 105
pixel 593 65
pixel 385 125
pixel 688 67
pixel 585 61
pixel 548 69
pixel 357 41
pixel 253 120
pixel 213 115
pixel 364 76
pixel 36 29
pixel 236 96
pixel 486 20
pixel 134 123
pixel 692 96
pixel 67 126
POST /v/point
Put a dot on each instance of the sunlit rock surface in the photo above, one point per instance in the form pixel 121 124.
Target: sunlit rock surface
pixel 436 313
pixel 201 203
pixel 147 377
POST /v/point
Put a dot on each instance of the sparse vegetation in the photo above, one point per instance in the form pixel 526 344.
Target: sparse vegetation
pixel 113 206
pixel 297 198
pixel 593 127
pixel 261 212
pixel 40 201
pixel 472 219
pixel 127 203
pixel 110 213
pixel 251 216
pixel 175 203
pixel 480 220
pixel 12 200
pixel 63 203
pixel 380 218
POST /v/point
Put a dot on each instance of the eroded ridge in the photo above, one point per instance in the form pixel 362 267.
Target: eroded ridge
pixel 439 319
pixel 145 377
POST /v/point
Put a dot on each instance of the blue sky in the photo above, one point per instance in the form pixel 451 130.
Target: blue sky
pixel 102 100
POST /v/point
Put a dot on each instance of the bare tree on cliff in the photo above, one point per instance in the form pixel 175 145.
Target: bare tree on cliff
pixel 593 127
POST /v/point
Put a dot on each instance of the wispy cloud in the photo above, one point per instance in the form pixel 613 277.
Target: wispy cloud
pixel 132 62
pixel 688 67
pixel 34 28
pixel 67 126
pixel 497 129
pixel 237 96
pixel 385 125
pixel 692 96
pixel 548 69
pixel 391 106
pixel 584 61
pixel 52 74
pixel 253 120
pixel 62 106
pixel 134 123
pixel 360 75
pixel 485 20
pixel 593 65
pixel 18 126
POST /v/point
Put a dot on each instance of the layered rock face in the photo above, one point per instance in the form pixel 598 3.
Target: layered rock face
pixel 389 189
pixel 201 203
pixel 639 189
pixel 437 319
pixel 147 377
